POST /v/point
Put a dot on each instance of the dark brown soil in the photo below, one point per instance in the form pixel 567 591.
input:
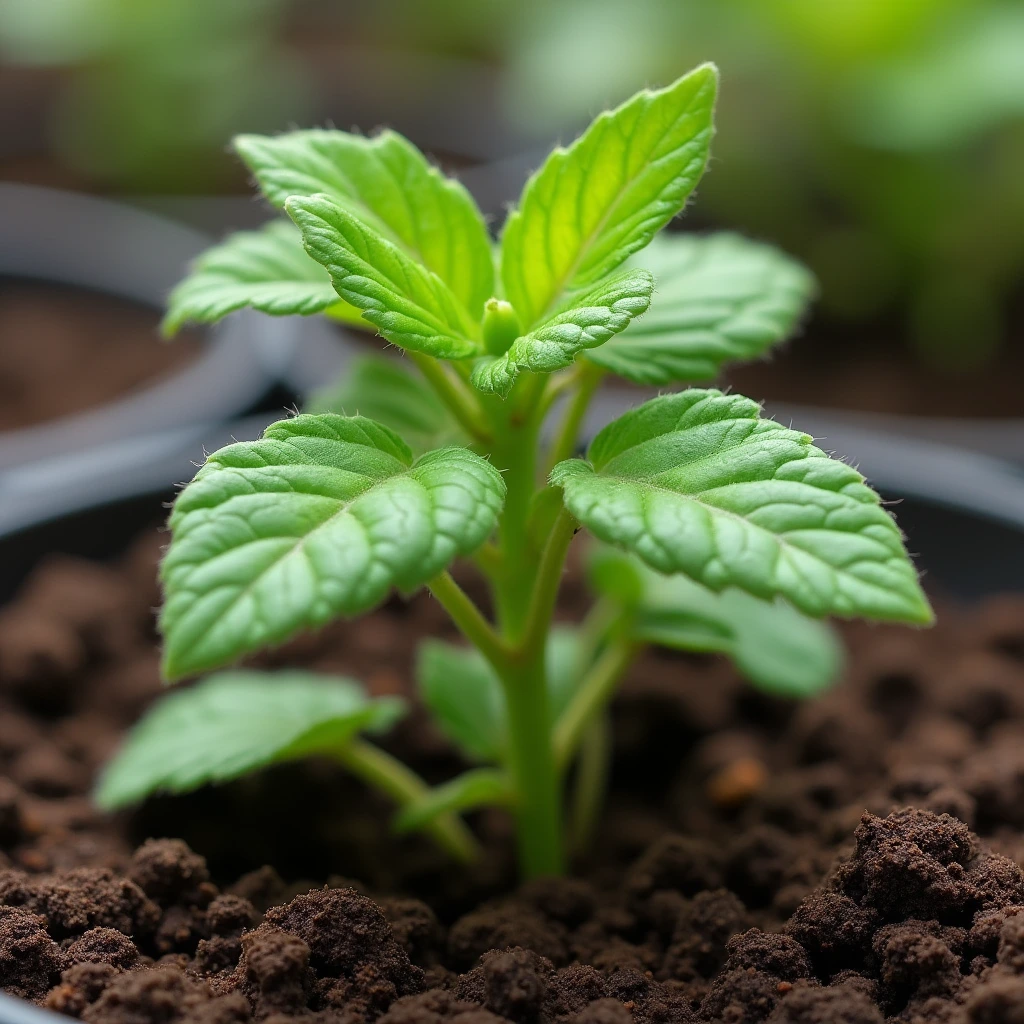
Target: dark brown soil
pixel 63 350
pixel 853 859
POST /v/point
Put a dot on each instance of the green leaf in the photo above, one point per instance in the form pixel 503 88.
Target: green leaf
pixel 698 483
pixel 319 518
pixel 594 204
pixel 387 183
pixel 466 699
pixel 590 321
pixel 480 787
pixel 234 722
pixel 408 304
pixel 718 298
pixel 772 644
pixel 266 269
pixel 382 389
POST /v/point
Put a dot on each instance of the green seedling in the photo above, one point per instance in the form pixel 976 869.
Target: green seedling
pixel 719 530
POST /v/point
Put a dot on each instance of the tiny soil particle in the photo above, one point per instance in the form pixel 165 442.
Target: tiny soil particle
pixel 63 350
pixel 855 859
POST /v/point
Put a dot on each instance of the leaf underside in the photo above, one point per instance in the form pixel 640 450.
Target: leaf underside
pixel 387 183
pixel 718 299
pixel 235 722
pixel 780 650
pixel 319 518
pixel 697 483
pixel 267 270
pixel 591 206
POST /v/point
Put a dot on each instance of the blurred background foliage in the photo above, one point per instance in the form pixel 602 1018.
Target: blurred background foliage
pixel 880 140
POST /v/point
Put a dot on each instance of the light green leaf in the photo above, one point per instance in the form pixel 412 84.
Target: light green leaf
pixel 387 183
pixel 772 644
pixel 267 269
pixel 698 483
pixel 590 321
pixel 592 205
pixel 410 306
pixel 234 722
pixel 466 698
pixel 319 518
pixel 382 389
pixel 718 298
pixel 480 787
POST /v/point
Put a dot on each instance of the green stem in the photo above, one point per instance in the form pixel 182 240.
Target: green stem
pixel 549 578
pixel 468 618
pixel 590 698
pixel 516 457
pixel 566 437
pixel 456 396
pixel 590 783
pixel 380 770
pixel 534 773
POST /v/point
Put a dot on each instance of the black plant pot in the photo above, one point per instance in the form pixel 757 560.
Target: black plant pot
pixel 95 244
pixel 963 514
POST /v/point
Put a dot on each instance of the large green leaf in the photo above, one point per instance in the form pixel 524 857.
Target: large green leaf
pixel 382 389
pixel 592 205
pixel 410 305
pixel 387 183
pixel 698 483
pixel 718 298
pixel 590 321
pixel 319 518
pixel 466 698
pixel 776 647
pixel 267 269
pixel 234 722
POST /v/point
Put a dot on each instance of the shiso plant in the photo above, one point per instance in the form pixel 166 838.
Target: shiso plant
pixel 717 529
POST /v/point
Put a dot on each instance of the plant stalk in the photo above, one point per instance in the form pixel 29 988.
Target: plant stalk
pixel 380 770
pixel 566 437
pixel 457 397
pixel 469 620
pixel 534 773
pixel 590 699
pixel 590 783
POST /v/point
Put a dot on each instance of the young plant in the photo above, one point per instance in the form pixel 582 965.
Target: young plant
pixel 722 531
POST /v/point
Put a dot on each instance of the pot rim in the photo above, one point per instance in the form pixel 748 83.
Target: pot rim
pixel 108 247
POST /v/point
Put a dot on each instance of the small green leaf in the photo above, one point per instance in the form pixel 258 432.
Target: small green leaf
pixel 382 389
pixel 409 305
pixel 594 204
pixel 387 183
pixel 773 645
pixel 466 698
pixel 267 269
pixel 319 518
pixel 698 483
pixel 590 321
pixel 234 722
pixel 479 787
pixel 718 298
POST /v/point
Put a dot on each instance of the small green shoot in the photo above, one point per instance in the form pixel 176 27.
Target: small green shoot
pixel 722 531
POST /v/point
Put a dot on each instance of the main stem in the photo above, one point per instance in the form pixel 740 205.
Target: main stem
pixel 525 580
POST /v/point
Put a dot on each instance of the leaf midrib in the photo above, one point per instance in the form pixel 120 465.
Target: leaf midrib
pixel 590 240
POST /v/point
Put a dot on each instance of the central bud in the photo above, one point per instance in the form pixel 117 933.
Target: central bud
pixel 501 326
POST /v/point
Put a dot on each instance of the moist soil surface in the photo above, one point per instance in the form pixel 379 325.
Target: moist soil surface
pixel 852 859
pixel 65 350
